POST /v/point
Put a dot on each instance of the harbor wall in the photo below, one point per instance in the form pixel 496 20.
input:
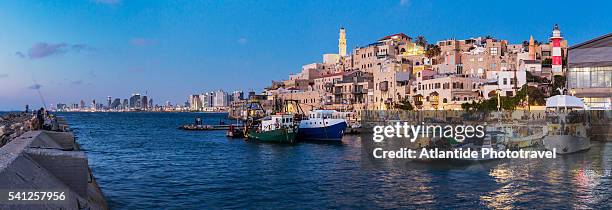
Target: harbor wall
pixel 48 161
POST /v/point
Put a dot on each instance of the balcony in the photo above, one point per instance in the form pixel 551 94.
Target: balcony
pixel 359 91
pixel 384 86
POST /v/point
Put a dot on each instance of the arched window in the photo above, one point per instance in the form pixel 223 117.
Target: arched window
pixel 444 100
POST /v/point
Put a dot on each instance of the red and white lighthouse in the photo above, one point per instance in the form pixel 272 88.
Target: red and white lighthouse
pixel 557 61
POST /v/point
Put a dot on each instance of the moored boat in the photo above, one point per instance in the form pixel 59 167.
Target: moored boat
pixel 488 142
pixel 566 125
pixel 274 128
pixel 322 125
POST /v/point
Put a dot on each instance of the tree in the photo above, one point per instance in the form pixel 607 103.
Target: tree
pixel 537 79
pixel 525 44
pixel 421 41
pixel 536 97
pixel 432 51
pixel 547 62
pixel 558 82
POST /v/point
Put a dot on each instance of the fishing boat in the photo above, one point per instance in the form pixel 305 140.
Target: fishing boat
pixel 517 135
pixel 490 141
pixel 566 125
pixel 274 128
pixel 322 125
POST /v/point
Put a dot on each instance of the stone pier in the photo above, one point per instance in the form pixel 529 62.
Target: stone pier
pixel 48 161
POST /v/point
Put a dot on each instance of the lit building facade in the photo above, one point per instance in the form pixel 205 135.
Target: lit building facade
pixel 589 74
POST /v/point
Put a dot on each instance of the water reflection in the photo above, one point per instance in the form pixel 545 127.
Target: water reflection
pixel 147 163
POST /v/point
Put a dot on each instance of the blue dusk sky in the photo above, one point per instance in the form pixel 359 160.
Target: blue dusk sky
pixel 90 49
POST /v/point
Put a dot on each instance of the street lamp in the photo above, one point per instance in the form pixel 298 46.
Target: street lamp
pixel 528 106
pixel 498 91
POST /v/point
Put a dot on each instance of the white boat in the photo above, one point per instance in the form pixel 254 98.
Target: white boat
pixel 517 135
pixel 324 125
pixel 566 125
pixel 488 142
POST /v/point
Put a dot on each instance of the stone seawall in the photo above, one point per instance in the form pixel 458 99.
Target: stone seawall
pixel 48 161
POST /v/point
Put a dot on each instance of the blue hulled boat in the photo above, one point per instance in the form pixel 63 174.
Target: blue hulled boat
pixel 322 125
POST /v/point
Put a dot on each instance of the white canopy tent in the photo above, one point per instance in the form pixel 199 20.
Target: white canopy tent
pixel 566 101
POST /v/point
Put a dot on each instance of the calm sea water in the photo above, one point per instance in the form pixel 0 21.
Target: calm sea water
pixel 142 161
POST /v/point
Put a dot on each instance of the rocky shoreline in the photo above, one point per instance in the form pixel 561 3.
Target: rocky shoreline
pixel 13 125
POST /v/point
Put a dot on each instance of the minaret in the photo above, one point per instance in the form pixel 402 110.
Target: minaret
pixel 532 50
pixel 342 43
pixel 555 39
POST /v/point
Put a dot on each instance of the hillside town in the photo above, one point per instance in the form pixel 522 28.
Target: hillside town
pixel 401 72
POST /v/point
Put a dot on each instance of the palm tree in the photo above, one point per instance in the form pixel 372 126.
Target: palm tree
pixel 432 51
pixel 421 41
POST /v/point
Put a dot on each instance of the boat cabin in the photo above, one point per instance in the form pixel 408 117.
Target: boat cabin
pixel 326 114
pixel 277 121
pixel 565 116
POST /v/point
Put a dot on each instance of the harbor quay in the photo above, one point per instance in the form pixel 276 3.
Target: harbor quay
pixel 43 169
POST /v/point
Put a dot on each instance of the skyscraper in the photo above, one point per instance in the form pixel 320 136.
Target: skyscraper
pixel 116 104
pixel 195 104
pixel 207 99
pixel 144 103
pixel 237 95
pixel 220 99
pixel 135 101
pixel 108 102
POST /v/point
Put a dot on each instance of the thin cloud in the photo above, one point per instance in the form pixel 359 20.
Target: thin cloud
pixel 77 82
pixel 141 42
pixel 405 3
pixel 20 54
pixel 35 87
pixel 3 75
pixel 43 49
pixel 81 47
pixel 242 40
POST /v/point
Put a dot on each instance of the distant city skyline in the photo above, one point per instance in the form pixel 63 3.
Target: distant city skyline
pixel 84 50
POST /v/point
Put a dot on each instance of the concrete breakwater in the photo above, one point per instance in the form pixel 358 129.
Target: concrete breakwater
pixel 43 161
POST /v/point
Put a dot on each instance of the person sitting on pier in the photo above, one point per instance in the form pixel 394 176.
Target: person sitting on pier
pixel 47 124
pixel 54 124
pixel 34 123
pixel 40 117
